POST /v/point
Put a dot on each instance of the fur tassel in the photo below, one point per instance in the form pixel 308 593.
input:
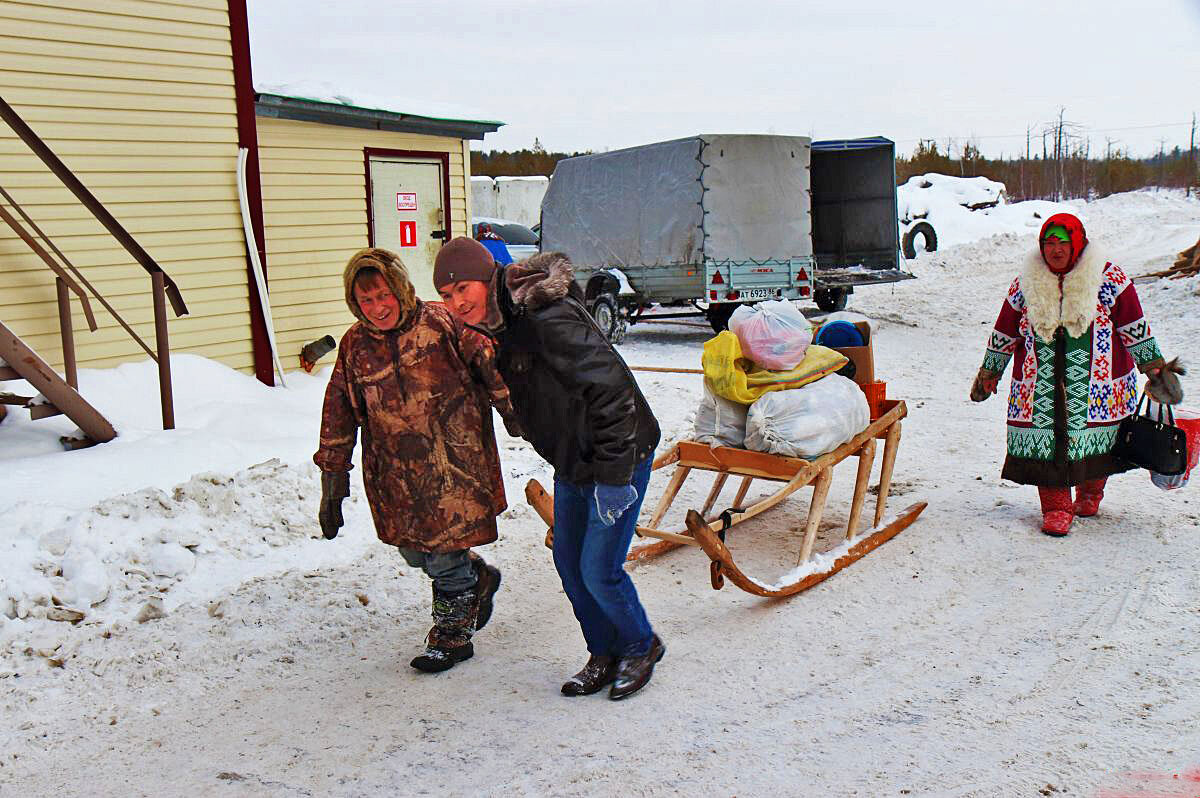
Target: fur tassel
pixel 1163 383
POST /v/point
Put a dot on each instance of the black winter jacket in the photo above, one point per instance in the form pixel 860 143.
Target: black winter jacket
pixel 578 402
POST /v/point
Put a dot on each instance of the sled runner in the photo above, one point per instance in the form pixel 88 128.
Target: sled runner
pixel 707 532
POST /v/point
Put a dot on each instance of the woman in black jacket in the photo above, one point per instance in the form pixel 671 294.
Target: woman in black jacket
pixel 581 409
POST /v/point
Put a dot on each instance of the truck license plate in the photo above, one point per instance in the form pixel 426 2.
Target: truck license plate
pixel 758 293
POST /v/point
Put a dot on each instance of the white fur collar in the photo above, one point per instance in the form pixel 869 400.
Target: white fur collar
pixel 1080 294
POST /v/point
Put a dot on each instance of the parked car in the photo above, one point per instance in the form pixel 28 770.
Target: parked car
pixel 520 240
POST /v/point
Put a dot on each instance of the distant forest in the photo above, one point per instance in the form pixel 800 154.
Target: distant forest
pixel 521 163
pixel 1073 172
pixel 1063 172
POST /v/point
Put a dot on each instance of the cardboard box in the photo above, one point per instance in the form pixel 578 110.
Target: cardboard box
pixel 861 356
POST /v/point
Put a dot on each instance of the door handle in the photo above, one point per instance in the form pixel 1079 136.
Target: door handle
pixel 438 234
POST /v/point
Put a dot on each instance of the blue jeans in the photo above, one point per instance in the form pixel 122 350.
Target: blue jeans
pixel 590 559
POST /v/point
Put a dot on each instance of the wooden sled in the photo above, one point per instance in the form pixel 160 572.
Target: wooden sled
pixel 707 532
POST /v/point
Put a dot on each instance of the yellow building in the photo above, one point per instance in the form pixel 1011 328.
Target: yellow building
pixel 148 104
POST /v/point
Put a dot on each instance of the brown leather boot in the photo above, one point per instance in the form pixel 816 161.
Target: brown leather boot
pixel 488 582
pixel 634 672
pixel 595 676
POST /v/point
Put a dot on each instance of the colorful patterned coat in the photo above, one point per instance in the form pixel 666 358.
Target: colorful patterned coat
pixel 1075 355
pixel 420 393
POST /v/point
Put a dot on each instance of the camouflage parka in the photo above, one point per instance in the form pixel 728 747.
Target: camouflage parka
pixel 420 393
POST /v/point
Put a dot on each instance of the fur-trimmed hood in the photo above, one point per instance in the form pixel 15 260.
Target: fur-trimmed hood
pixel 530 284
pixel 1073 309
pixel 536 282
pixel 388 264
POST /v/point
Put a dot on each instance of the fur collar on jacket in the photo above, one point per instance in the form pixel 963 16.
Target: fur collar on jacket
pixel 1080 294
pixel 531 284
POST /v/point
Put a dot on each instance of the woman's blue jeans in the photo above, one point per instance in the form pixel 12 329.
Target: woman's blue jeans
pixel 590 559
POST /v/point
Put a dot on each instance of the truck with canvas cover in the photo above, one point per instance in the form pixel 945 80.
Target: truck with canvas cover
pixel 715 221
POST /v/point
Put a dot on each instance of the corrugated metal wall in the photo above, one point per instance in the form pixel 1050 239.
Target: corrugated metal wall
pixel 315 214
pixel 138 100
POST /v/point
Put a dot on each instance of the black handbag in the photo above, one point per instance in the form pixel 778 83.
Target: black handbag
pixel 1152 443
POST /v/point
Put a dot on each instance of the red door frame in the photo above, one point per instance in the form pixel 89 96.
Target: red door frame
pixel 444 157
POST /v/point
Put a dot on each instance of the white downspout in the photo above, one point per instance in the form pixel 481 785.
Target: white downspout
pixel 252 247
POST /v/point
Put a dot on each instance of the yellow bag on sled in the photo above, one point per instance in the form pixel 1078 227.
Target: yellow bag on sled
pixel 735 378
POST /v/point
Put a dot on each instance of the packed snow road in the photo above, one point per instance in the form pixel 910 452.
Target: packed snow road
pixel 969 656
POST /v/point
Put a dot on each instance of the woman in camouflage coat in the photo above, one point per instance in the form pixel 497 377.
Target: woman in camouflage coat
pixel 418 383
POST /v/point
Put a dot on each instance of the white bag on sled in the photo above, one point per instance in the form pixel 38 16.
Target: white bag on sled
pixel 720 422
pixel 774 334
pixel 810 421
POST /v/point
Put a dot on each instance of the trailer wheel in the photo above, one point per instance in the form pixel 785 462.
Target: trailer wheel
pixel 831 299
pixel 924 230
pixel 718 315
pixel 604 311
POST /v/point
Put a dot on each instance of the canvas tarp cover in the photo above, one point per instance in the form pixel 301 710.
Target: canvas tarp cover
pixel 645 206
pixel 758 197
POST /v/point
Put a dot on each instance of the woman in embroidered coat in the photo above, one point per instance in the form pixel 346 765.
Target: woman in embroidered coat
pixel 1074 327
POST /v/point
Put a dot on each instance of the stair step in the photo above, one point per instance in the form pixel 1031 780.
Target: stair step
pixel 43 411
pixel 14 399
pixel 73 444
pixel 9 373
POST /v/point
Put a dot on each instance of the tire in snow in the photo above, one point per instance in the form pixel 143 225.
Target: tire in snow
pixel 926 231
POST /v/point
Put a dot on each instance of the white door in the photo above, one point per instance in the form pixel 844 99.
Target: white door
pixel 407 214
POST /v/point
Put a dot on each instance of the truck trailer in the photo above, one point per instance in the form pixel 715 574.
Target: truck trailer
pixel 716 221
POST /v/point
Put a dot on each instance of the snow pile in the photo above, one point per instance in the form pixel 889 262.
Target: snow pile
pixel 945 202
pixel 204 537
pixel 164 518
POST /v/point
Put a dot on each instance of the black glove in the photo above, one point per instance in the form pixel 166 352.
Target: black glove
pixel 335 486
pixel 1162 383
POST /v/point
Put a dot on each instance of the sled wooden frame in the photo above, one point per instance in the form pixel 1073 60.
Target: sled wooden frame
pixel 707 532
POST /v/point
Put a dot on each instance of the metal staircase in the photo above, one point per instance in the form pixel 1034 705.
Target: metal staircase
pixel 19 362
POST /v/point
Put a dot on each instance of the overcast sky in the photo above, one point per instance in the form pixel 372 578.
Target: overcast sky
pixel 602 75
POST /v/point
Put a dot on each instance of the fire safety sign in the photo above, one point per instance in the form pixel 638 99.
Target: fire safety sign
pixel 406 201
pixel 408 234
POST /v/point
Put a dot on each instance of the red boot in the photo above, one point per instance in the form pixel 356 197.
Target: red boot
pixel 1088 496
pixel 1058 511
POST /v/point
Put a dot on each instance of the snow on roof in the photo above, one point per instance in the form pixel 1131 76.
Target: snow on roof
pixel 324 92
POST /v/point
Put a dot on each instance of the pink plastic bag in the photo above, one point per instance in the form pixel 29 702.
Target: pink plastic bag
pixel 775 335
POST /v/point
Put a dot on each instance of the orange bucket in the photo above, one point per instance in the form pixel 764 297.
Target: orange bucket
pixel 876 393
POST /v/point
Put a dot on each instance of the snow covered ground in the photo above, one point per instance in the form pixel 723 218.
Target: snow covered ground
pixel 970 656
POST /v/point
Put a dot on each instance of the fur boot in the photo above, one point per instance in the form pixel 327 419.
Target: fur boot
pixel 1058 511
pixel 1088 496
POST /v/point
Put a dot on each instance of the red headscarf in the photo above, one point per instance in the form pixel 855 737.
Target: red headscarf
pixel 1074 230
